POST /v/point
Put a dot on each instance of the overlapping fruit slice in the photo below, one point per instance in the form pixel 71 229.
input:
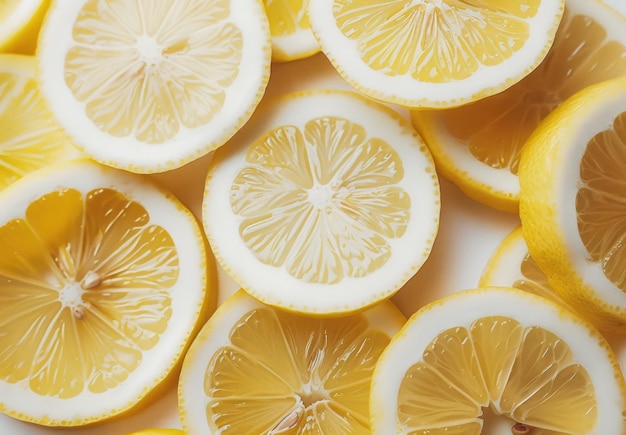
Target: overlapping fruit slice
pixel 256 369
pixel 497 360
pixel 103 280
pixel 149 86
pixel 331 198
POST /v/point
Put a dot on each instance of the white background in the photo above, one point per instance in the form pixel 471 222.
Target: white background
pixel 469 233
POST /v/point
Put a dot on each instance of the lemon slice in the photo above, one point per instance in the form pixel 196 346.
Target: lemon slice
pixel 324 203
pixel 149 86
pixel 20 21
pixel 103 280
pixel 572 175
pixel 254 369
pixel 434 53
pixel 496 361
pixel 477 146
pixel 512 266
pixel 29 139
pixel 292 37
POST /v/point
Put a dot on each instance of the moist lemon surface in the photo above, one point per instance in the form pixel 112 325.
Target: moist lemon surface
pixel 29 138
pixel 292 37
pixel 257 369
pixel 324 203
pixel 434 53
pixel 478 146
pixel 149 86
pixel 103 279
pixel 497 360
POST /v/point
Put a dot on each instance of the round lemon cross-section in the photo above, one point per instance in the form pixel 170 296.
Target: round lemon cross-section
pixel 325 202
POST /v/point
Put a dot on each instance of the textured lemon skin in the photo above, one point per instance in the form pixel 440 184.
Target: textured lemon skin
pixel 487 195
pixel 542 161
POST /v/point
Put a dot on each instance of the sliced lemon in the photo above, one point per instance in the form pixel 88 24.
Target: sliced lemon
pixel 254 369
pixel 103 280
pixel 478 146
pixel 149 86
pixel 497 360
pixel 572 208
pixel 292 37
pixel 512 266
pixel 434 53
pixel 20 21
pixel 29 139
pixel 329 197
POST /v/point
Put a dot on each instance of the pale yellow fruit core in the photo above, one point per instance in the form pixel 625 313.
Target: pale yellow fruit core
pixel 322 201
pixel 85 283
pixel 435 40
pixel 496 128
pixel 29 140
pixel 287 16
pixel 291 373
pixel 524 373
pixel 600 202
pixel 149 69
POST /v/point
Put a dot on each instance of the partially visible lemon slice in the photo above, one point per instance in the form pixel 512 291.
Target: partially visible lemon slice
pixel 512 266
pixel 20 21
pixel 324 203
pixel 478 146
pixel 434 53
pixel 149 86
pixel 292 37
pixel 495 361
pixel 29 139
pixel 104 279
pixel 254 369
pixel 572 208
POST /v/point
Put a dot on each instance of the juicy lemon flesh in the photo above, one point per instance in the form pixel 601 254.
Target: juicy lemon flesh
pixel 149 70
pixel 287 16
pixel 29 140
pixel 495 128
pixel 524 373
pixel 535 281
pixel 85 292
pixel 600 204
pixel 321 201
pixel 401 37
pixel 294 373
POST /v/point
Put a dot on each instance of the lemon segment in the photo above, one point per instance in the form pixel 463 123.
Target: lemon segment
pixel 29 139
pixel 434 53
pixel 292 37
pixel 476 354
pixel 255 369
pixel 148 87
pixel 570 173
pixel 98 302
pixel 330 197
pixel 478 146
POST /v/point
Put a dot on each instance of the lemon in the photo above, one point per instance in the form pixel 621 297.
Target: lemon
pixel 478 146
pixel 150 86
pixel 325 203
pixel 29 139
pixel 20 21
pixel 292 37
pixel 494 361
pixel 104 279
pixel 254 369
pixel 512 266
pixel 434 53
pixel 573 216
